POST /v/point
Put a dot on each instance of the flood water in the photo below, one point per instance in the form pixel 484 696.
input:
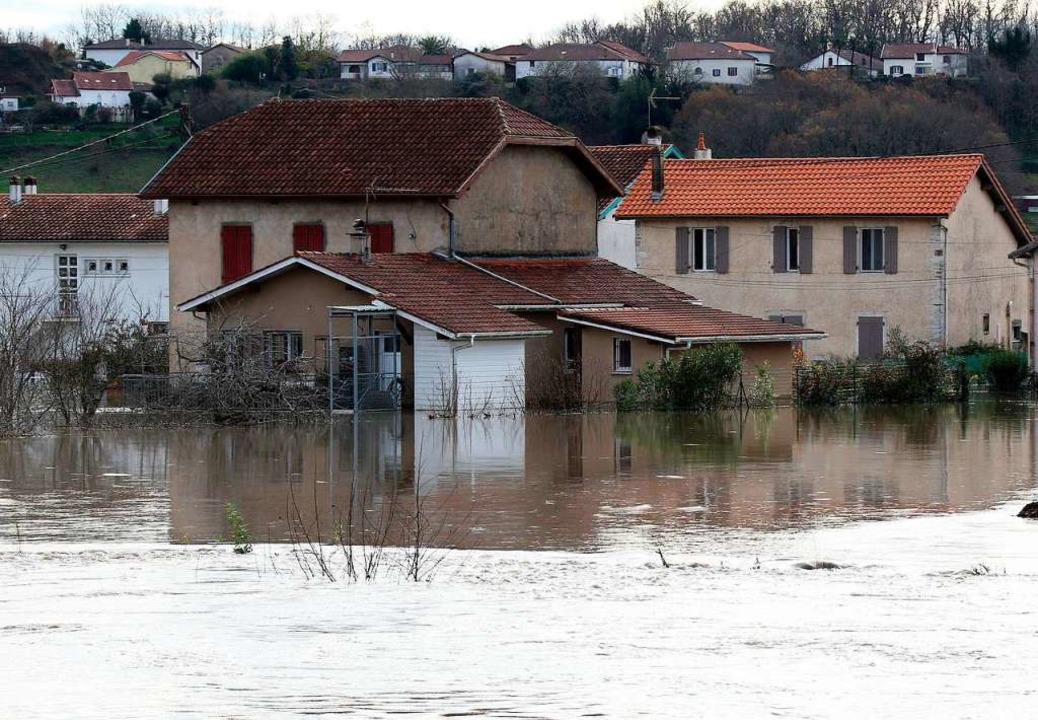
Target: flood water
pixel 572 482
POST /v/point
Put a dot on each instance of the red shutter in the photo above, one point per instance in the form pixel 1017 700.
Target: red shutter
pixel 381 237
pixel 308 237
pixel 237 251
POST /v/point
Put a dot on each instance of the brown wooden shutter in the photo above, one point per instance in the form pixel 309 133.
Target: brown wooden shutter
pixel 381 237
pixel 778 249
pixel 721 249
pixel 681 251
pixel 890 250
pixel 850 249
pixel 236 247
pixel 807 249
pixel 870 337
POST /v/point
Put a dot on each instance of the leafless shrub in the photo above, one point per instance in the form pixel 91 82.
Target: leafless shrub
pixel 554 384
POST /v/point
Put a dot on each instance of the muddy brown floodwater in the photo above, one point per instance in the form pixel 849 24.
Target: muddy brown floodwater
pixel 575 482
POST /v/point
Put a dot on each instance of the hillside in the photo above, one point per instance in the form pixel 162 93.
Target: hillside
pixel 27 69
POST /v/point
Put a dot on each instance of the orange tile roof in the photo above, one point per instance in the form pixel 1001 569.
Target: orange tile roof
pixel 780 187
pixel 168 55
pixel 746 46
pixel 428 147
pixel 76 218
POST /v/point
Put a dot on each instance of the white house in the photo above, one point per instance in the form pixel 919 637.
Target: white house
pixel 8 103
pixel 758 52
pixel 713 63
pixel 923 59
pixel 609 58
pixel 469 63
pixel 845 59
pixel 110 52
pixel 398 61
pixel 104 89
pixel 80 247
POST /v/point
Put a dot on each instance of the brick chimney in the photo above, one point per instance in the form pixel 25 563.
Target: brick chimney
pixel 653 135
pixel 702 151
pixel 14 193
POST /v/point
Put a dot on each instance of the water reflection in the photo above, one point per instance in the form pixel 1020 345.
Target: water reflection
pixel 575 482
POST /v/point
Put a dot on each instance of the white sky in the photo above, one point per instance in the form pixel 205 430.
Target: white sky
pixel 470 23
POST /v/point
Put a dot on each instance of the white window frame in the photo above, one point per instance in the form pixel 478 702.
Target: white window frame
pixel 702 244
pixel 618 365
pixel 792 249
pixel 291 344
pixel 380 67
pixel 66 276
pixel 872 232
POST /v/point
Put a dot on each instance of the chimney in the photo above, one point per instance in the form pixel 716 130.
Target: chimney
pixel 15 191
pixel 161 207
pixel 653 135
pixel 30 186
pixel 657 175
pixel 702 151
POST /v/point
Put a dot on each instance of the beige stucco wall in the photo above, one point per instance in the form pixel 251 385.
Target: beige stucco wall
pixel 145 69
pixel 829 300
pixel 597 361
pixel 530 200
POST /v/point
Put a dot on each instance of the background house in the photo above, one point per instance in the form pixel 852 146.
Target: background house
pixel 923 59
pixel 143 65
pixel 110 52
pixel 215 57
pixel 468 63
pixel 853 247
pixel 713 63
pixel 844 59
pixel 605 57
pixel 88 245
pixel 103 89
pixel 399 61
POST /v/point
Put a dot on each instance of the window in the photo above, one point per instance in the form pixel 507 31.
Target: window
pixel 615 72
pixel 381 235
pixel 716 72
pixel 107 267
pixel 354 70
pixel 67 271
pixel 986 323
pixel 621 355
pixel 571 349
pixel 282 348
pixel 897 69
pixel 793 249
pixel 236 246
pixel 470 71
pixel 122 267
pixel 920 69
pixel 946 59
pixel 91 266
pixel 698 71
pixel 829 62
pixel 308 237
pixel 702 249
pixel 871 250
pixel 920 57
pixel 379 67
pixel 733 71
pixel 532 63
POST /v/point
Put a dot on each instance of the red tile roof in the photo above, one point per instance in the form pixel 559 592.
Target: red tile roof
pixel 63 88
pixel 705 51
pixel 907 51
pixel 120 43
pixel 746 46
pixel 81 218
pixel 625 162
pixel 520 50
pixel 484 296
pixel 359 56
pixel 427 147
pixel 602 50
pixel 776 187
pixel 102 81
pixel 168 55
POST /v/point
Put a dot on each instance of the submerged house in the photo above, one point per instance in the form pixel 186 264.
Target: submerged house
pixel 852 246
pixel 457 236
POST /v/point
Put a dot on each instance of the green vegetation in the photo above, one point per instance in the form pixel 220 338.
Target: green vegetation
pixel 699 380
pixel 240 535
pixel 1005 370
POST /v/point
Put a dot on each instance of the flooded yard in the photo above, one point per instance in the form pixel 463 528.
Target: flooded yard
pixel 604 566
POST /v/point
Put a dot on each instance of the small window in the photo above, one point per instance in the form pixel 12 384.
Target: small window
pixel 282 348
pixel 792 249
pixel 107 267
pixel 920 57
pixel 532 63
pixel 379 67
pixel 470 71
pixel 987 323
pixel 733 71
pixel 946 59
pixel 716 72
pixel 91 267
pixel 122 267
pixel 920 69
pixel 872 250
pixel 571 349
pixel 614 72
pixel 797 320
pixel 897 69
pixel 830 62
pixel 702 249
pixel 621 355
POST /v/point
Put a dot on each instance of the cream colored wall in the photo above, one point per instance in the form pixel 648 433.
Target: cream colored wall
pixel 529 200
pixel 778 356
pixel 194 233
pixel 145 69
pixel 597 374
pixel 828 299
pixel 978 244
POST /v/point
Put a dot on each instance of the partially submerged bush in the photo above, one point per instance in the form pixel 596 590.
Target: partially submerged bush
pixel 698 380
pixel 825 382
pixel 1005 370
pixel 762 394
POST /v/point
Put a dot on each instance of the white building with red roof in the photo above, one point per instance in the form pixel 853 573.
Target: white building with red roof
pixel 80 246
pixel 719 63
pixel 605 57
pixel 102 89
pixel 922 59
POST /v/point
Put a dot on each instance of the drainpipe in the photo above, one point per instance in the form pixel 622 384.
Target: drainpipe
pixel 944 283
pixel 450 230
pixel 1034 306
